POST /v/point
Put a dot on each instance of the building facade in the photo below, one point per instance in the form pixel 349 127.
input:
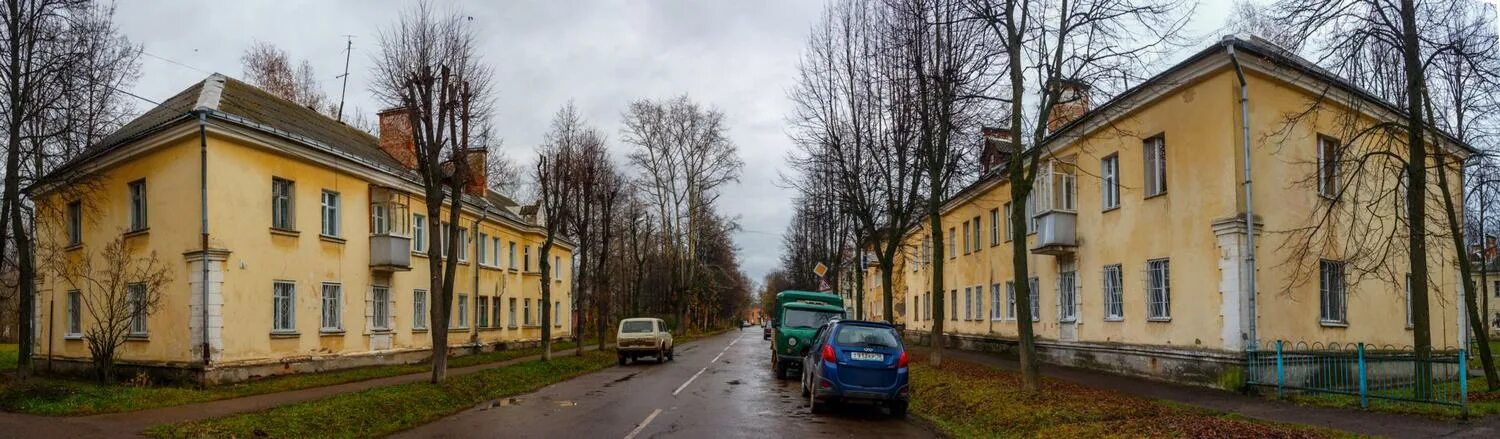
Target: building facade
pixel 1138 238
pixel 306 239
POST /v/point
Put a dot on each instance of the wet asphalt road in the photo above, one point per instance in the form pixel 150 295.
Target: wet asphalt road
pixel 718 387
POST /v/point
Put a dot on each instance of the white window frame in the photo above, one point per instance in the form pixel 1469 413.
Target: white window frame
pixel 1067 296
pixel 283 302
pixel 380 219
pixel 1113 279
pixel 968 303
pixel 953 305
pixel 1333 292
pixel 1409 323
pixel 1328 167
pixel 463 311
pixel 136 294
pixel 283 194
pixel 526 313
pixel 513 324
pixel 380 297
pixel 331 217
pixel 557 313
pixel 1109 181
pixel 1158 290
pixel 75 223
pixel 75 314
pixel 138 218
pixel 419 233
pixel 557 268
pixel 484 247
pixel 483 314
pixel 1154 154
pixel 512 264
pixel 419 311
pixel 332 308
pixel 994 227
pixel 463 244
pixel 996 313
pixel 1036 298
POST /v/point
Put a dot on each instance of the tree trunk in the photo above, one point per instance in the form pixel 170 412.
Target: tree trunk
pixel 546 306
pixel 886 268
pixel 1416 200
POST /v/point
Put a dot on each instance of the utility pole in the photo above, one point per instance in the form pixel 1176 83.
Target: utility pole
pixel 348 50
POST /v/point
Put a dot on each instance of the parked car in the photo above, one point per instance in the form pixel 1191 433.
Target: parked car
pixel 853 361
pixel 765 330
pixel 643 337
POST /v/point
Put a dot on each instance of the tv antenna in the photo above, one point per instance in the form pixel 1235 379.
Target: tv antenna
pixel 348 51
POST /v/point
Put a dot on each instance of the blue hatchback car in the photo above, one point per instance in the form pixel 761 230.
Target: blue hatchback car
pixel 853 361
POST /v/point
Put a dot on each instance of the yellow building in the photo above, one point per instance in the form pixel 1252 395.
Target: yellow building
pixel 1137 230
pixel 316 243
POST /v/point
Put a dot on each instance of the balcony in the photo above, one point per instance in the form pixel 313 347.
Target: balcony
pixel 1056 233
pixel 390 253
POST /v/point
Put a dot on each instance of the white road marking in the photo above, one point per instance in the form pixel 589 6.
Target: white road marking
pixel 643 425
pixel 689 381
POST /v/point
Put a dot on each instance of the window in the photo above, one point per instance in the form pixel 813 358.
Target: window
pixel 975 238
pixel 1114 306
pixel 512 258
pixel 442 243
pixel 1409 324
pixel 556 313
pixel 463 244
pixel 381 298
pixel 484 312
pixel 1009 234
pixel 927 305
pixel 1496 289
pixel 463 310
pixel 526 314
pixel 1331 292
pixel 995 312
pixel 495 257
pixel 952 243
pixel 495 312
pixel 1067 295
pixel 994 227
pixel 419 233
pixel 380 219
pixel 1155 152
pixel 281 204
pixel 75 313
pixel 953 305
pixel 1328 167
pixel 283 307
pixel 557 268
pixel 419 309
pixel 1036 299
pixel 968 303
pixel 1010 300
pixel 1109 181
pixel 138 205
pixel 526 259
pixel 333 301
pixel 75 223
pixel 484 249
pixel 512 312
pixel 137 295
pixel 1158 291
pixel 966 237
pixel 1031 222
pixel 330 213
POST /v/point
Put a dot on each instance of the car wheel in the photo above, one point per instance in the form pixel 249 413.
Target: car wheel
pixel 780 370
pixel 621 359
pixel 660 357
pixel 672 353
pixel 806 391
pixel 813 405
pixel 898 409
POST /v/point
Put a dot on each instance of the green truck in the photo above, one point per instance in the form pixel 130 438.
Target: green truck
pixel 797 316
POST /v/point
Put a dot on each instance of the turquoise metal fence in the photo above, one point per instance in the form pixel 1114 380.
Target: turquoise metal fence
pixel 1358 371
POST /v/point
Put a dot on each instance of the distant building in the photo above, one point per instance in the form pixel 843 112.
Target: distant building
pixel 317 242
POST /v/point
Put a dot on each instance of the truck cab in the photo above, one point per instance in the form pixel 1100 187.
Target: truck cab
pixel 797 316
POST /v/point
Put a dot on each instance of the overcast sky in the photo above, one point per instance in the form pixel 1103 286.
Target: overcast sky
pixel 738 56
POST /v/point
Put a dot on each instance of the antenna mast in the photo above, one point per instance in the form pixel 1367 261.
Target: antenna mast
pixel 348 51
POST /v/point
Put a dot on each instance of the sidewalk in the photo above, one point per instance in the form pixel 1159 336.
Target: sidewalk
pixel 1356 421
pixel 132 423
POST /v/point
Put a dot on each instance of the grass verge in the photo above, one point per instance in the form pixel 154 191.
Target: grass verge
pixel 8 353
pixel 60 396
pixel 963 399
pixel 385 410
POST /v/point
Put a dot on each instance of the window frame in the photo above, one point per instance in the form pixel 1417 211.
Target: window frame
pixel 139 314
pixel 137 191
pixel 75 314
pixel 283 204
pixel 1154 172
pixel 332 219
pixel 1067 296
pixel 1109 181
pixel 419 233
pixel 461 309
pixel 419 309
pixel 1164 286
pixel 287 302
pixel 994 227
pixel 1112 281
pixel 75 223
pixel 380 314
pixel 1332 284
pixel 1328 169
pixel 331 307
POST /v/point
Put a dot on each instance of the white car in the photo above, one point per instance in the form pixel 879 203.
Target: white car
pixel 643 337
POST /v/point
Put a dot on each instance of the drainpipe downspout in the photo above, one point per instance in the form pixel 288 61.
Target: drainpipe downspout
pixel 203 217
pixel 1249 254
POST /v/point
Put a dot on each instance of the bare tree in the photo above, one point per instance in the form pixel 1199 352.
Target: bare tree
pixel 270 68
pixel 685 156
pixel 119 294
pixel 429 65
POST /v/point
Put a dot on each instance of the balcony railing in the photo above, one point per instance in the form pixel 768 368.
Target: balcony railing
pixel 390 253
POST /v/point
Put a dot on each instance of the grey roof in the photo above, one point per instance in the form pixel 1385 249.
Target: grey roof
pixel 228 99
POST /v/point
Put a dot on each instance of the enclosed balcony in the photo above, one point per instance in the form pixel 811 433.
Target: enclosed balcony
pixel 390 230
pixel 1056 197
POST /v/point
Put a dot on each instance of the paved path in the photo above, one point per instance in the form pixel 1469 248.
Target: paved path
pixel 132 423
pixel 1357 421
pixel 718 387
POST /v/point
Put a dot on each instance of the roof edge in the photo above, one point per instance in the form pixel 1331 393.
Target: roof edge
pixel 208 96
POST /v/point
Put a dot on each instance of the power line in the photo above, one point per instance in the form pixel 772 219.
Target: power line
pixel 144 52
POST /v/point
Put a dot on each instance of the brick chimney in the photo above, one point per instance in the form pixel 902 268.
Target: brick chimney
pixel 995 150
pixel 478 175
pixel 1072 103
pixel 396 138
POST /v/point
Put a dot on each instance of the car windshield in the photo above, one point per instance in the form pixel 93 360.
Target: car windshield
pixel 635 327
pixel 802 318
pixel 867 336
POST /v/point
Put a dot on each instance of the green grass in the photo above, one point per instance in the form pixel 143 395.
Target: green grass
pixel 8 354
pixel 385 410
pixel 964 400
pixel 59 396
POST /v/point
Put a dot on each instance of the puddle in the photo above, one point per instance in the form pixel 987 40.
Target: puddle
pixel 567 404
pixel 734 382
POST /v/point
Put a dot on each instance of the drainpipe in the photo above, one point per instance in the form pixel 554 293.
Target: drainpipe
pixel 203 217
pixel 484 213
pixel 1249 255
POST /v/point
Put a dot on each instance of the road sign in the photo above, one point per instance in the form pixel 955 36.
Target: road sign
pixel 821 269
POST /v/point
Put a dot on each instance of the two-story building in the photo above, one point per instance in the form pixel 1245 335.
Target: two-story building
pixel 1138 236
pixel 294 243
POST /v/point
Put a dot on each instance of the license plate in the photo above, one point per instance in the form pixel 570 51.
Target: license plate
pixel 867 356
